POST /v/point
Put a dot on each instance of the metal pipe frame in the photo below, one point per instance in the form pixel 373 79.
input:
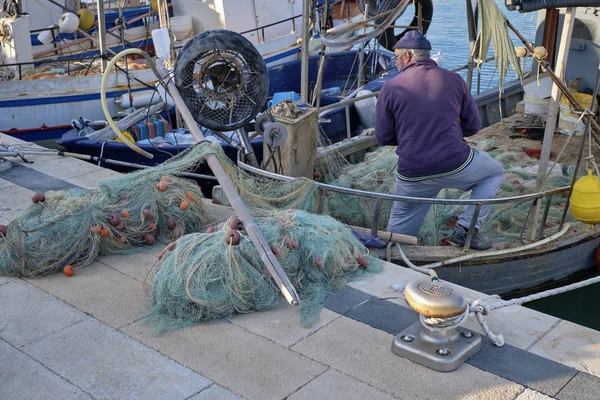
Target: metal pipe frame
pixel 393 197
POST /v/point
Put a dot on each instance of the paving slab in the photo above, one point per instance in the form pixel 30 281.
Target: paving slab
pixel 102 292
pixel 34 180
pixel 344 300
pixel 520 326
pixel 582 387
pixel 364 353
pixel 335 385
pixel 21 377
pixel 384 315
pixel 6 279
pixel 28 314
pixel 547 377
pixel 250 365
pixel 109 365
pixel 14 200
pixel 282 324
pixel 4 184
pixel 573 345
pixel 137 264
pixel 58 167
pixel 216 392
pixel 90 180
pixel 529 394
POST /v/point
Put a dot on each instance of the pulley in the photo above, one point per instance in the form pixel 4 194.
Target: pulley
pixel 274 133
pixel 436 341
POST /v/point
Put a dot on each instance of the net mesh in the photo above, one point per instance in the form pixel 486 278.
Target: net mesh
pixel 204 277
pixel 72 227
pixel 223 86
pixel 201 276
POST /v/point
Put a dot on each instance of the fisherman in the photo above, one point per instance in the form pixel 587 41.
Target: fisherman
pixel 427 111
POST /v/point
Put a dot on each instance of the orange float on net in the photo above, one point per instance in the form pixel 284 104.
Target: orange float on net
pixel 68 270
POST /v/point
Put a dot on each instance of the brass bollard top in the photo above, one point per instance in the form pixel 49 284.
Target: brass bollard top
pixel 434 300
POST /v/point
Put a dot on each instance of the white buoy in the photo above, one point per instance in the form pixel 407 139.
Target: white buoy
pixel 366 109
pixel 68 23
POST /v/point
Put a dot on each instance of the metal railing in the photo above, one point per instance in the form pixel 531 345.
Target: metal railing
pixel 262 28
pixel 380 197
pixel 38 63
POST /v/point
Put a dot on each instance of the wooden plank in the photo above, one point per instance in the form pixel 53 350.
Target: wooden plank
pixel 553 110
pixel 388 236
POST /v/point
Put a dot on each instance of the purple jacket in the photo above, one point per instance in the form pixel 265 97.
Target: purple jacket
pixel 426 111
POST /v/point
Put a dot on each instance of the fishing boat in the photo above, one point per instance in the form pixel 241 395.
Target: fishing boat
pixel 546 256
pixel 539 257
pixel 50 78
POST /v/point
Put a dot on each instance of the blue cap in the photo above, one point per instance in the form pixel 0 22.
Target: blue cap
pixel 413 40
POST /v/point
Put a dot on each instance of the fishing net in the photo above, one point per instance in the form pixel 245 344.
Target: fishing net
pixel 204 276
pixel 495 29
pixel 72 227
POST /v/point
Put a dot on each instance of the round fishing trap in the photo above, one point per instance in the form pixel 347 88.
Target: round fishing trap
pixel 222 79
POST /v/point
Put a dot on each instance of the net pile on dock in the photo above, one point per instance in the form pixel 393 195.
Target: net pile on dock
pixel 205 276
pixel 73 227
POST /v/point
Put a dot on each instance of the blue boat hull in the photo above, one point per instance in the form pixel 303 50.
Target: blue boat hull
pixel 283 78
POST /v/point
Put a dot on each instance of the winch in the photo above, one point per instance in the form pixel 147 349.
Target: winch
pixel 436 341
pixel 274 133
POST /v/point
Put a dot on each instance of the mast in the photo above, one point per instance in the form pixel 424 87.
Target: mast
pixel 305 39
pixel 553 110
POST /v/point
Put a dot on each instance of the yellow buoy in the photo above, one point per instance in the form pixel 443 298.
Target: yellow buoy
pixel 154 5
pixel 86 19
pixel 585 199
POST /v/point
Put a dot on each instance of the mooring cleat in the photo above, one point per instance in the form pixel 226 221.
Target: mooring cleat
pixel 436 341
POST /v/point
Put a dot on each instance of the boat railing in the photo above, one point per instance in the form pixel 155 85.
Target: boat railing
pixel 534 198
pixel 69 61
pixel 261 29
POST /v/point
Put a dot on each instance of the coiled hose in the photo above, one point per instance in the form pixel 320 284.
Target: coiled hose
pixel 107 115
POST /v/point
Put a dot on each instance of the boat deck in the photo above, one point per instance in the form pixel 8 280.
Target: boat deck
pixel 81 337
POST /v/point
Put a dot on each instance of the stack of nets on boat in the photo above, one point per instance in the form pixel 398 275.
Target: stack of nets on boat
pixel 377 173
pixel 72 227
pixel 204 276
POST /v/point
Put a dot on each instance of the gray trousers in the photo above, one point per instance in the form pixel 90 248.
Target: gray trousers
pixel 483 176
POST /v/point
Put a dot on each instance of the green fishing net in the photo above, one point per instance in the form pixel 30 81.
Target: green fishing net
pixel 203 276
pixel 132 210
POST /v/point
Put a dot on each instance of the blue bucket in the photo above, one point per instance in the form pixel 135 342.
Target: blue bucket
pixel 280 96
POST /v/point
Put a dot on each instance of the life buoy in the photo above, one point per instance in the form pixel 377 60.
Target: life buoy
pixel 388 39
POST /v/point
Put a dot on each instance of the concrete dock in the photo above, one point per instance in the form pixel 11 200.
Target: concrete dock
pixel 80 337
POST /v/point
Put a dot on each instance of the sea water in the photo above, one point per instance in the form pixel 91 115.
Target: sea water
pixel 448 33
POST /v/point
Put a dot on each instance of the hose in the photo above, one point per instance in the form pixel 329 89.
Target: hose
pixel 107 115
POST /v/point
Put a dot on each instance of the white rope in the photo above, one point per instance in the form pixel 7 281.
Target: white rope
pixel 425 268
pixel 478 308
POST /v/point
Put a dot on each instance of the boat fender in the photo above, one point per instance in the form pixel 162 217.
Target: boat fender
pixel 86 19
pixel 366 109
pixel 585 199
pixel 68 23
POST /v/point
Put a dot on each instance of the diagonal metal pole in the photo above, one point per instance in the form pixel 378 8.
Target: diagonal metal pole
pixel 250 226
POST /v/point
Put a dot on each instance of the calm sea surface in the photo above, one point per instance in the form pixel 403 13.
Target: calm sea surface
pixel 448 33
